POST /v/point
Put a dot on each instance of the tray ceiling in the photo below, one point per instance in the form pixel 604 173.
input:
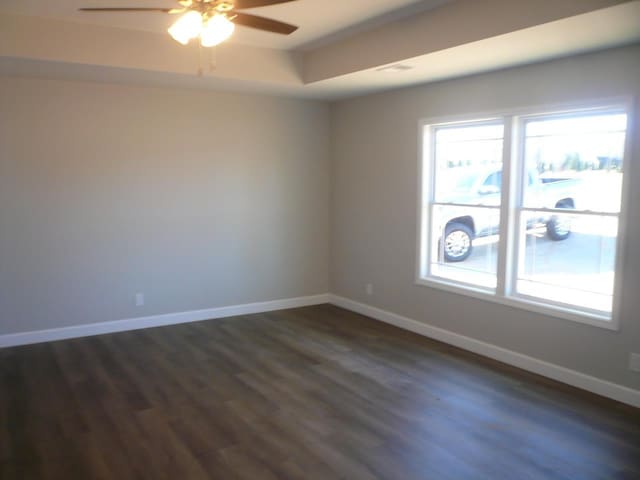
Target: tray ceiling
pixel 343 47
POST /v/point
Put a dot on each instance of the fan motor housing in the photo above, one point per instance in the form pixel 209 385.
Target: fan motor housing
pixel 223 6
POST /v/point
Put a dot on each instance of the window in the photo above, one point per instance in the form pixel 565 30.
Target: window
pixel 525 210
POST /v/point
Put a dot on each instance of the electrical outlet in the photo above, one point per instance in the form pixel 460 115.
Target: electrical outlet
pixel 139 299
pixel 369 289
pixel 634 362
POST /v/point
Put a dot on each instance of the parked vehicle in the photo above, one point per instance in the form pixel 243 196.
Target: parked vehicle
pixel 483 187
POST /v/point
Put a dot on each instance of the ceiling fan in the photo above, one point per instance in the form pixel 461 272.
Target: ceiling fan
pixel 212 20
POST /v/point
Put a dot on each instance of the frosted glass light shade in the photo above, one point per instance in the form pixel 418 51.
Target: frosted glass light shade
pixel 217 29
pixel 188 26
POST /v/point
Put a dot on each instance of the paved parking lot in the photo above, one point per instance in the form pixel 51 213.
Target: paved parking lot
pixel 581 253
pixel 568 270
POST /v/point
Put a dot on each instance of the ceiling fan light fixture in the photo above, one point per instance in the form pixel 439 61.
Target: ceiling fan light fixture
pixel 216 30
pixel 212 21
pixel 188 26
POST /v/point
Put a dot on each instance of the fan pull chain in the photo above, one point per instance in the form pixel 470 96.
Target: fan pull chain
pixel 213 59
pixel 200 71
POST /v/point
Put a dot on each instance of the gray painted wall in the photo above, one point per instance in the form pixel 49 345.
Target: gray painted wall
pixel 374 198
pixel 197 199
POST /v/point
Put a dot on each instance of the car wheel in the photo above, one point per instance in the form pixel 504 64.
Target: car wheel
pixel 457 242
pixel 559 228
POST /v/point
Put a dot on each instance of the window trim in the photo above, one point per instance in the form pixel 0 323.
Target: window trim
pixel 510 209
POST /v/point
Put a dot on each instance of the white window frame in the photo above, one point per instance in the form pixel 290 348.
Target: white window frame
pixel 511 209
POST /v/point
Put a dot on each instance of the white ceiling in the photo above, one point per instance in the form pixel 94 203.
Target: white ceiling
pixel 337 52
pixel 317 19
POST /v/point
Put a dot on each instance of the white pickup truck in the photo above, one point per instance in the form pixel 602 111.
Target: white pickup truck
pixel 482 187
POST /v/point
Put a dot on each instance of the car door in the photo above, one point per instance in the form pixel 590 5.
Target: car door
pixel 489 192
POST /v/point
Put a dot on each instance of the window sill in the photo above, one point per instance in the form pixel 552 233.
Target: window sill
pixel 488 295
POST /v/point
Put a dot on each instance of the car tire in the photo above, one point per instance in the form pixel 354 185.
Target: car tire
pixel 557 229
pixel 457 243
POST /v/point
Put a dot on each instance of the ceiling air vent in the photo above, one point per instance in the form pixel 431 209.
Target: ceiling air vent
pixel 398 67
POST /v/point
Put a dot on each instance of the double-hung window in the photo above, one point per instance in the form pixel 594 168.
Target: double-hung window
pixel 525 209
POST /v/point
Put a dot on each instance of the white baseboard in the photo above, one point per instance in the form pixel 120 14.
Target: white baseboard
pixel 571 377
pixel 24 338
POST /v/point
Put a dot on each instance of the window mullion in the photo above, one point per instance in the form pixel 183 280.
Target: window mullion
pixel 519 177
pixel 506 201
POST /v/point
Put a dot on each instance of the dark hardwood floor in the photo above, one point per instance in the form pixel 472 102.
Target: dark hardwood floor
pixel 310 393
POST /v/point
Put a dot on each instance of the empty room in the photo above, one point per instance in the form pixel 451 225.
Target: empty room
pixel 320 239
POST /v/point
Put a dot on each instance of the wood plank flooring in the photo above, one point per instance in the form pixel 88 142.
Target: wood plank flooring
pixel 310 393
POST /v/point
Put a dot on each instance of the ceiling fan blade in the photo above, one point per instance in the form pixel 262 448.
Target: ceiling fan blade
pixel 109 9
pixel 240 4
pixel 262 23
